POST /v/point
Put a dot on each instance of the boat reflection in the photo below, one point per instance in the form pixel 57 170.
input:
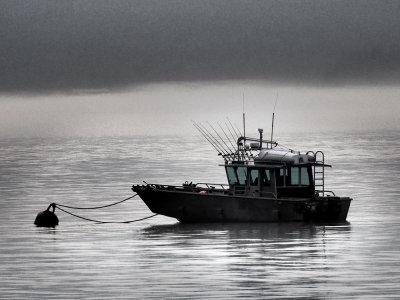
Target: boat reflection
pixel 245 231
pixel 269 257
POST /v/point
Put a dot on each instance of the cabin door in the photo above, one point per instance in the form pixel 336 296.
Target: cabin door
pixel 254 183
pixel 267 185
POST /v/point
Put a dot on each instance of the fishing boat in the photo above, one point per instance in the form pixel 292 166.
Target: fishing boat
pixel 266 183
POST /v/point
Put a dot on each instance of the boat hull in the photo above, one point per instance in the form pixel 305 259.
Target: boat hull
pixel 188 206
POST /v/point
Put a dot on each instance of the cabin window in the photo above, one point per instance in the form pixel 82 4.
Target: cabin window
pixel 230 171
pixel 242 175
pixel 304 178
pixel 254 177
pixel 294 176
pixel 299 176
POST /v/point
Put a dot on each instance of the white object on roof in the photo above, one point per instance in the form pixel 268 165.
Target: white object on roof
pixel 283 156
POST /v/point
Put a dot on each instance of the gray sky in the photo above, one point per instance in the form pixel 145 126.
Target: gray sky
pixel 71 66
pixel 63 45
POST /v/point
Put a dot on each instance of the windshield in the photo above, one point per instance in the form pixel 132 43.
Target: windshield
pixel 236 175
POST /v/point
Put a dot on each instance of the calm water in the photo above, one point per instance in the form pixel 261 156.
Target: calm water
pixel 160 258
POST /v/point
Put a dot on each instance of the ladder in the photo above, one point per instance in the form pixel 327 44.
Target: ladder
pixel 319 172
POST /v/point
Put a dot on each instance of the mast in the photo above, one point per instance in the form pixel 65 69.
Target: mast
pixel 244 120
pixel 244 133
pixel 272 130
pixel 273 118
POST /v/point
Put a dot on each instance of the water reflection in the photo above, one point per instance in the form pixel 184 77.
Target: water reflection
pixel 262 231
pixel 253 256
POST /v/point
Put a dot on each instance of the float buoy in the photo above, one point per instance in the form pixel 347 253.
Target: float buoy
pixel 47 218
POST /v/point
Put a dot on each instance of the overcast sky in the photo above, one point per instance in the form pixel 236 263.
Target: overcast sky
pixel 47 45
pixel 152 52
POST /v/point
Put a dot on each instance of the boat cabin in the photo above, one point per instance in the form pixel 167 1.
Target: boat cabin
pixel 273 173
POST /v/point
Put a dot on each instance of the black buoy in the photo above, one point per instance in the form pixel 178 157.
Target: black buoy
pixel 47 218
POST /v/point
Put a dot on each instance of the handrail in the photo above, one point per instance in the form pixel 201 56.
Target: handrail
pixel 272 143
pixel 211 185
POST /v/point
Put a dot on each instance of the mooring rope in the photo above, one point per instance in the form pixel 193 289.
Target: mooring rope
pixel 106 222
pixel 59 206
pixel 94 207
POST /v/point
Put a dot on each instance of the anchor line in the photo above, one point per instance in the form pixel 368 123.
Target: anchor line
pixel 62 206
pixel 106 222
pixel 95 207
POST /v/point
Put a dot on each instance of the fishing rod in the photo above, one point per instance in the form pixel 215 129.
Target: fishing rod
pixel 234 139
pixel 226 135
pixel 239 131
pixel 233 128
pixel 215 140
pixel 220 138
pixel 204 134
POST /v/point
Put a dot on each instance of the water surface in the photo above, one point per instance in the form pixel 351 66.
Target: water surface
pixel 161 258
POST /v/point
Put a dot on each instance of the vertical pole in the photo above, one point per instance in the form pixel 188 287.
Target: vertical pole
pixel 272 130
pixel 244 120
pixel 244 130
pixel 244 125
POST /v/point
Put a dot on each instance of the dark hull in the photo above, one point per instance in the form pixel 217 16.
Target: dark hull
pixel 188 206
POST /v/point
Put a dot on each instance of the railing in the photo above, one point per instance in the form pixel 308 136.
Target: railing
pixel 243 190
pixel 319 172
pixel 207 187
pixel 239 190
pixel 212 185
pixel 194 187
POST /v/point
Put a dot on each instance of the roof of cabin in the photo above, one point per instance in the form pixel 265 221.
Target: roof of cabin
pixel 283 156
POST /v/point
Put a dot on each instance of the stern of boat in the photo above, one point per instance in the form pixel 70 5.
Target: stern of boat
pixel 328 208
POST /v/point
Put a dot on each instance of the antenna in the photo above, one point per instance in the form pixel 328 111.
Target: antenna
pixel 272 131
pixel 273 118
pixel 244 120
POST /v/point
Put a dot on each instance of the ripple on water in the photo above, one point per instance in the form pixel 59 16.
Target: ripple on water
pixel 161 258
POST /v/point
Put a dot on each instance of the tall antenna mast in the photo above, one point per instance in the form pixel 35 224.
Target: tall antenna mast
pixel 272 131
pixel 273 118
pixel 244 120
